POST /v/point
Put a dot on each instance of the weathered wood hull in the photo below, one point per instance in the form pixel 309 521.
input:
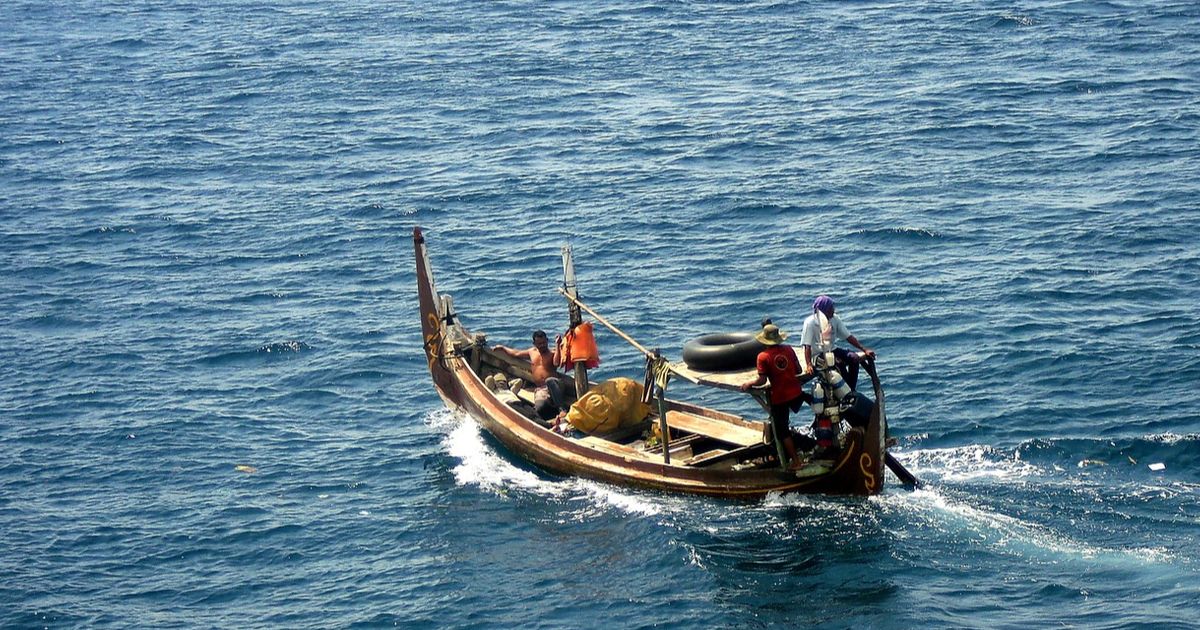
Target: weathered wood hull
pixel 858 471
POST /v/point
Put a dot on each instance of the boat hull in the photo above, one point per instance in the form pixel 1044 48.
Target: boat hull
pixel 858 470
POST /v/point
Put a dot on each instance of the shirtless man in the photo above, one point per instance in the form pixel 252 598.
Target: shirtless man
pixel 548 396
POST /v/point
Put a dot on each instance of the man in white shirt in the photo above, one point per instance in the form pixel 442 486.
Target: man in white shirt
pixel 815 342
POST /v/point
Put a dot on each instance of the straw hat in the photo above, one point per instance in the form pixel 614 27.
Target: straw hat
pixel 771 335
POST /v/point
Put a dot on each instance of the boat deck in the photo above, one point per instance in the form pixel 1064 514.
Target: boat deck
pixel 696 439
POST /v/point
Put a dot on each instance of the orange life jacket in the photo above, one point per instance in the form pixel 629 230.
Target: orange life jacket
pixel 579 346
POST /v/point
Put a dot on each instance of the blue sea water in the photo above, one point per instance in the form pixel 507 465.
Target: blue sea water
pixel 214 408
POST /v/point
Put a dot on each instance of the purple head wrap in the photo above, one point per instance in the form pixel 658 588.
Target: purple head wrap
pixel 824 304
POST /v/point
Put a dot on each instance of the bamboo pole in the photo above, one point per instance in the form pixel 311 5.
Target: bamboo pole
pixel 570 290
pixel 574 300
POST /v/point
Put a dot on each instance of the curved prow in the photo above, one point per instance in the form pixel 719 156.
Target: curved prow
pixel 433 319
pixel 874 441
pixel 426 291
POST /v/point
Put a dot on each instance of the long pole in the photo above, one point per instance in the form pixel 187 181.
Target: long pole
pixel 572 292
pixel 574 300
pixel 901 472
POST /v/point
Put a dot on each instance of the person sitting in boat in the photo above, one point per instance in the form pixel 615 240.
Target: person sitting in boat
pixel 818 339
pixel 779 365
pixel 548 398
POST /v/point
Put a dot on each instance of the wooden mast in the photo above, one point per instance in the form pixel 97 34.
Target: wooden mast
pixel 576 317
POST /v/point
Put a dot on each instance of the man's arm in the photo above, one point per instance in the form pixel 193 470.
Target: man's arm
pixel 762 378
pixel 558 351
pixel 808 338
pixel 760 363
pixel 516 354
pixel 852 340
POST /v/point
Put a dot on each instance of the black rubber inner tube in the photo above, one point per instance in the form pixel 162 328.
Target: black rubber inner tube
pixel 722 352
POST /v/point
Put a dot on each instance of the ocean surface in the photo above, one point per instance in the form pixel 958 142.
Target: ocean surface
pixel 214 407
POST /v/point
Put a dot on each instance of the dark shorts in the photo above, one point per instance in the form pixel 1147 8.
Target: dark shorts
pixel 847 365
pixel 780 414
pixel 548 399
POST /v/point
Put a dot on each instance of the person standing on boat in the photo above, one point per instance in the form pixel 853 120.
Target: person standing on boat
pixel 548 398
pixel 779 365
pixel 817 339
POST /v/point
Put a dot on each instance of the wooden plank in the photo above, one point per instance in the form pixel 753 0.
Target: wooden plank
pixel 702 458
pixel 627 452
pixel 525 395
pixel 676 444
pixel 679 405
pixel 722 380
pixel 507 365
pixel 721 455
pixel 507 397
pixel 723 431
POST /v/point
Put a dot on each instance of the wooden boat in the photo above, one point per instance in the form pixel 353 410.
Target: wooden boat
pixel 706 451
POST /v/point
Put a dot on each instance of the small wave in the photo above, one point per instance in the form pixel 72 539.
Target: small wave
pixel 1013 21
pixel 242 98
pixel 270 350
pixel 51 322
pixel 1119 456
pixel 109 229
pixel 907 233
pixel 480 466
pixel 129 43
pixel 1055 459
pixel 374 210
pixel 281 347
pixel 257 298
pixel 628 502
pixel 313 395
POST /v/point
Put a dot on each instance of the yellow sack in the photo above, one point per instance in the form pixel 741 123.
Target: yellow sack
pixel 613 404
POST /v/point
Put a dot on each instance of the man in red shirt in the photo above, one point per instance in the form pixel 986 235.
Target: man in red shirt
pixel 778 364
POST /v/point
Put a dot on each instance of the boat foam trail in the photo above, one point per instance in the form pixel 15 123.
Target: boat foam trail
pixel 480 465
pixel 967 463
pixel 1003 533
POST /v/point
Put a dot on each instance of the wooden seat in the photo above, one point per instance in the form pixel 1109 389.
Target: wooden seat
pixel 716 429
